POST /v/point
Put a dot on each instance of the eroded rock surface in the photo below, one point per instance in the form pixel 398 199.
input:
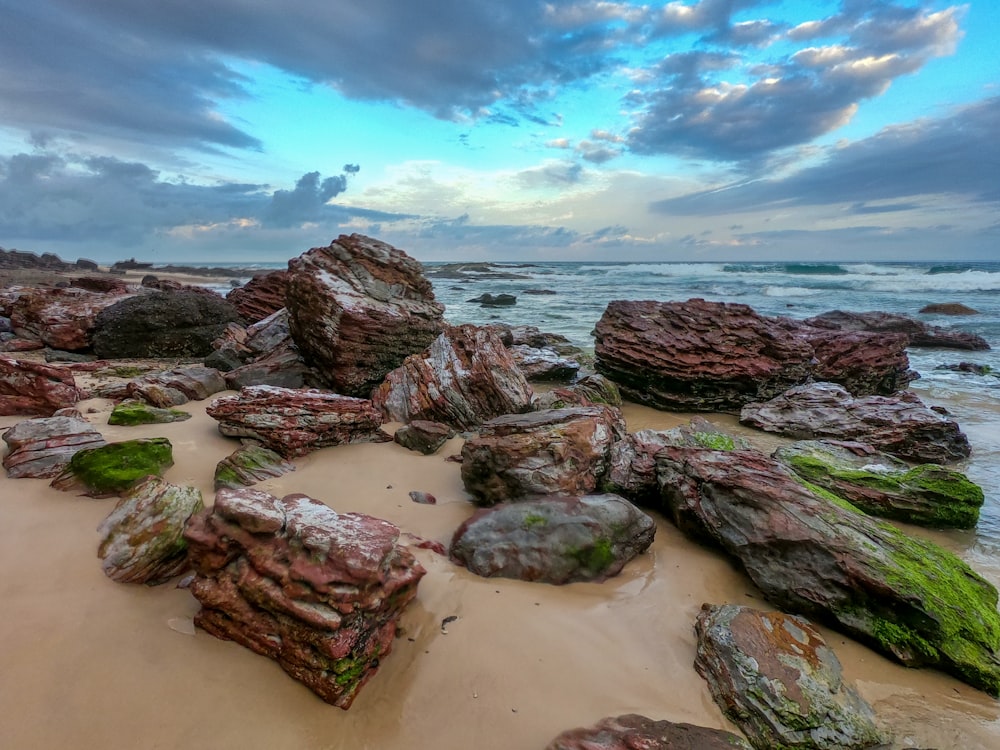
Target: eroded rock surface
pixel 177 386
pixel 248 465
pixel 42 447
pixel 32 388
pixel 260 297
pixel 423 436
pixel 113 468
pixel 918 333
pixel 635 732
pixel 60 318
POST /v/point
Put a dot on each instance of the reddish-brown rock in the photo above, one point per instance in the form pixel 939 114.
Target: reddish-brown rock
pixel 35 389
pixel 917 332
pixel 294 422
pixel 61 318
pixel 318 591
pixel 178 386
pixel 423 436
pixel 260 297
pixel 42 447
pixel 465 377
pixel 864 363
pixel 635 732
pixel 357 309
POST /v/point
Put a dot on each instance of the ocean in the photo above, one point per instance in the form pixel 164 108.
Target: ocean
pixel 579 292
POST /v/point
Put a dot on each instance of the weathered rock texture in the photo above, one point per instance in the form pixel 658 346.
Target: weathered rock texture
pixel 928 495
pixel 260 297
pixel 423 436
pixel 42 447
pixel 141 539
pixel 542 364
pixel 320 592
pixel 34 388
pixel 357 309
pixel 464 378
pixel 177 386
pixel 60 318
pixel 917 332
pixel 901 425
pixel 131 413
pixel 162 324
pixel 555 539
pixel 809 555
pixel 248 465
pixel 947 308
pixel 587 391
pixel 774 676
pixel 635 732
pixel 113 468
pixel 557 451
pixel 294 422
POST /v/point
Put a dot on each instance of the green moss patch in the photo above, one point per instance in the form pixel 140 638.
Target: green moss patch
pixel 115 467
pixel 716 441
pixel 130 413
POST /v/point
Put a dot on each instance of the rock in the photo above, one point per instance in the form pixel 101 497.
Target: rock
pixel 130 413
pixel 539 291
pixel 294 422
pixel 464 378
pixel 422 498
pixel 557 451
pixel 903 596
pixel 864 363
pixel 33 388
pixel 635 732
pixel 102 284
pixel 919 334
pixel 75 358
pixel 970 367
pixel 9 343
pixel 61 318
pixel 282 367
pixel 947 308
pixel 42 447
pixel 774 676
pixel 423 436
pixel 5 324
pixel 878 484
pixel 320 592
pixel 248 465
pixel 178 386
pixel 161 324
pixel 537 339
pixel 587 391
pixel 543 364
pixel 554 539
pixel 260 297
pixel 141 539
pixel 495 300
pixel 900 425
pixel 357 309
pixel 113 468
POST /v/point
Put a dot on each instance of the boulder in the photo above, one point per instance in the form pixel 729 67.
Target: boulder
pixel 357 309
pixel 918 333
pixel 162 324
pixel 495 300
pixel 282 367
pixel 113 468
pixel 33 388
pixel 294 422
pixel 130 413
pixel 587 391
pixel 947 308
pixel 42 447
pixel 464 378
pixel 103 284
pixel 554 539
pixel 901 425
pixel 320 592
pixel 248 465
pixel 543 364
pixel 878 484
pixel 141 539
pixel 773 675
pixel 635 732
pixel 260 297
pixel 177 386
pixel 61 318
pixel 864 363
pixel 423 436
pixel 556 451
pixel 972 368
pixel 810 555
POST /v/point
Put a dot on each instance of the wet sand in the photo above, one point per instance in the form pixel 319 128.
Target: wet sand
pixel 89 663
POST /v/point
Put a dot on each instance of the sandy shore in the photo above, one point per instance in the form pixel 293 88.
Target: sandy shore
pixel 88 663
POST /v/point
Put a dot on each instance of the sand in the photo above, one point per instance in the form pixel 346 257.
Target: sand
pixel 88 663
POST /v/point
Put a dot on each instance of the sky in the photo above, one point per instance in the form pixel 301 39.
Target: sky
pixel 696 130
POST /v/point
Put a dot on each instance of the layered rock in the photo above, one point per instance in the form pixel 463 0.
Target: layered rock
pixel 878 484
pixel 33 388
pixel 60 318
pixel 423 436
pixel 260 297
pixel 318 591
pixel 864 363
pixel 587 391
pixel 556 539
pixel 177 386
pixel 142 538
pixel 162 324
pixel 131 413
pixel 635 732
pixel 248 465
pixel 43 447
pixel 294 422
pixel 918 333
pixel 774 676
pixel 556 451
pixel 357 309
pixel 900 425
pixel 543 364
pixel 113 468
pixel 464 378
pixel 809 555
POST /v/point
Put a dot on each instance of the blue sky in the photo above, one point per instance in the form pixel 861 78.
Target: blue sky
pixel 244 130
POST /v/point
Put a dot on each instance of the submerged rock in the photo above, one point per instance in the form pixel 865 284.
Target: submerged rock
pixel 130 413
pixel 635 732
pixel 555 539
pixel 32 388
pixel 947 308
pixel 141 539
pixel 115 467
pixel 774 676
pixel 248 465
pixel 43 447
pixel 320 592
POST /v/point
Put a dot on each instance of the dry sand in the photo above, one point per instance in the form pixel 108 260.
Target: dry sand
pixel 88 663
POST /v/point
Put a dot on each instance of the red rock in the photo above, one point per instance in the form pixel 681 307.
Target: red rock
pixel 178 386
pixel 42 447
pixel 465 377
pixel 917 332
pixel 357 309
pixel 543 364
pixel 61 318
pixel 318 591
pixel 635 732
pixel 260 297
pixel 34 388
pixel 103 284
pixel 294 422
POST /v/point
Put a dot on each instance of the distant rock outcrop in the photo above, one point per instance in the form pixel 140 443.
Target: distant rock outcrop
pixel 917 332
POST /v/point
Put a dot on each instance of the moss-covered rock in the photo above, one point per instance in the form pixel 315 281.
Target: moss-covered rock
pixel 928 495
pixel 248 465
pixel 130 413
pixel 115 467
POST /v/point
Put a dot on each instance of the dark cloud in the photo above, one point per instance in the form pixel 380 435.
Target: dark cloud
pixel 307 202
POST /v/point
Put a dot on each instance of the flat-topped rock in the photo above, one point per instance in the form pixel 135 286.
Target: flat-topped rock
pixel 42 447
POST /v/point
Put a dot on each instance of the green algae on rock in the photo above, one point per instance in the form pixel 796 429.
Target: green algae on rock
pixel 115 467
pixel 878 484
pixel 130 413
pixel 248 465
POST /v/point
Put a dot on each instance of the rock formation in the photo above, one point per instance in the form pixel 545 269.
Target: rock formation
pixel 32 388
pixel 113 468
pixel 130 413
pixel 260 297
pixel 42 447
pixel 177 386
pixel 60 318
pixel 423 436
pixel 248 465
pixel 543 364
pixel 635 732
pixel 917 332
